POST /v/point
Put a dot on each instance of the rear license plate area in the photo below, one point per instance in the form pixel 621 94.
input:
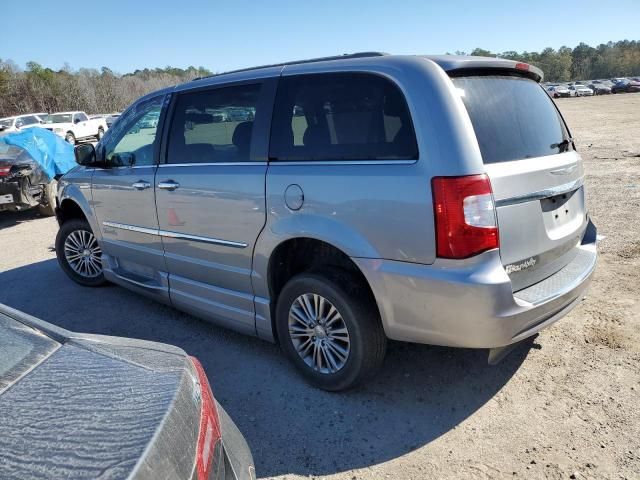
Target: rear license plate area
pixel 4 199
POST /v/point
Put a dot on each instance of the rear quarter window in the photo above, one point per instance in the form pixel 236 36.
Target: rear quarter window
pixel 341 116
pixel 513 117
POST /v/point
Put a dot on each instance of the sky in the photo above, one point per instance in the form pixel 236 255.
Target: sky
pixel 129 35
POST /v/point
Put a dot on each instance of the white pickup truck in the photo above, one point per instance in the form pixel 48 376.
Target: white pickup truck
pixel 74 126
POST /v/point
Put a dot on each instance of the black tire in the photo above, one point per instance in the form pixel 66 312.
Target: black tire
pixel 67 229
pixel 47 207
pixel 360 317
pixel 70 138
pixel 100 133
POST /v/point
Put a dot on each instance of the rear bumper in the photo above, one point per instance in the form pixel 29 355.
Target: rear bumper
pixel 470 303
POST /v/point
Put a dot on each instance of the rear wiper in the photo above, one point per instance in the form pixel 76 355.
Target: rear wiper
pixel 563 145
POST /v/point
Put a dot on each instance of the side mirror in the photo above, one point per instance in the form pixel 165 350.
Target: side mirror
pixel 85 154
pixel 76 120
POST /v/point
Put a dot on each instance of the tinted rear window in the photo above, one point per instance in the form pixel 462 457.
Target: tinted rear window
pixel 513 118
pixel 341 116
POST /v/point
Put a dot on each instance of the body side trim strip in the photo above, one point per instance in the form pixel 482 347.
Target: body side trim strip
pixel 169 234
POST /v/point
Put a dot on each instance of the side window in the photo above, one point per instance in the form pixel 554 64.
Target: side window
pixel 343 116
pixel 213 126
pixel 19 123
pixel 82 117
pixel 132 139
pixel 29 120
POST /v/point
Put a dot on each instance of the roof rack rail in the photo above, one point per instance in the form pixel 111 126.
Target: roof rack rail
pixel 297 62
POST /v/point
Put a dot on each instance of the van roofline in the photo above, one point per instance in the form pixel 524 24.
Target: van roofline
pixel 344 56
pixel 452 64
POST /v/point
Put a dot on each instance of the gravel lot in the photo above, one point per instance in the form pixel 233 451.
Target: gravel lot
pixel 567 403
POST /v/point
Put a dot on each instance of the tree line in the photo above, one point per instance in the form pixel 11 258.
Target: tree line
pixel 41 89
pixel 607 60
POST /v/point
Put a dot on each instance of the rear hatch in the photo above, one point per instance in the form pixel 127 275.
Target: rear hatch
pixel 536 176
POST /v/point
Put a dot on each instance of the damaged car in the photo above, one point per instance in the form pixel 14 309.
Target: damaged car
pixel 31 162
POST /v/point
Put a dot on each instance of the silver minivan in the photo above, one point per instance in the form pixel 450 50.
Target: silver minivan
pixel 332 204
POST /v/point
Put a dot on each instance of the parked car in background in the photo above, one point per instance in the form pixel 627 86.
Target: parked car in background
pixel 28 175
pixel 559 91
pixel 288 226
pixel 625 86
pixel 74 126
pixel 599 88
pixel 79 406
pixel 111 118
pixel 578 90
pixel 13 124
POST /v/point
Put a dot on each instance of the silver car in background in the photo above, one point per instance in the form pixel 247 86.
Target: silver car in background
pixel 360 198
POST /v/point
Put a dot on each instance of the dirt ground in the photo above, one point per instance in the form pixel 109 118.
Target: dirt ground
pixel 565 405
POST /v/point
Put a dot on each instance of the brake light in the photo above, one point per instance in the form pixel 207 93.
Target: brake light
pixel 465 216
pixel 4 170
pixel 522 66
pixel 209 424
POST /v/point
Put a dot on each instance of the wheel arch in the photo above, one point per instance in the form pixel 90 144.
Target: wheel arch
pixel 72 203
pixel 301 254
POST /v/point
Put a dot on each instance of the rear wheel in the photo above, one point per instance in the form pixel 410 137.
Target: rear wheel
pixel 329 327
pixel 47 204
pixel 70 138
pixel 79 254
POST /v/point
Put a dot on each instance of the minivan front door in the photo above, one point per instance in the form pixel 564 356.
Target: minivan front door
pixel 210 199
pixel 124 202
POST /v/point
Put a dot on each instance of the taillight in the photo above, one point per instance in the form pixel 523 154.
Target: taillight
pixel 209 425
pixel 465 216
pixel 4 170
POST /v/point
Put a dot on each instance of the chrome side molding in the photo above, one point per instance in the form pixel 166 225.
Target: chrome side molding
pixel 170 234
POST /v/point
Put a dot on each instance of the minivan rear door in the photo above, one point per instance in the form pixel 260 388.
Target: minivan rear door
pixel 536 176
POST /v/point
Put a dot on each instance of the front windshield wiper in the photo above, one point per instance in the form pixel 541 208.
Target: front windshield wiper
pixel 563 145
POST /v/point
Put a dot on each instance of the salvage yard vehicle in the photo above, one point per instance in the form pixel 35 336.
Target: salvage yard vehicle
pixel 625 86
pixel 430 199
pixel 599 88
pixel 74 126
pixel 30 163
pixel 92 406
pixel 14 124
pixel 578 90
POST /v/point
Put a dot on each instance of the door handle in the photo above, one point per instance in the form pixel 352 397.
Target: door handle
pixel 141 185
pixel 168 185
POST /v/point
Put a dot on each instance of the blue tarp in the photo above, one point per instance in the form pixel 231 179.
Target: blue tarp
pixel 51 152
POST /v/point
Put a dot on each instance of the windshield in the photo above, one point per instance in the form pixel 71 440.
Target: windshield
pixel 59 118
pixel 6 122
pixel 513 117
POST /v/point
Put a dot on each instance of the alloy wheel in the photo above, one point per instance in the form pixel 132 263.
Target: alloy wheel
pixel 83 254
pixel 318 333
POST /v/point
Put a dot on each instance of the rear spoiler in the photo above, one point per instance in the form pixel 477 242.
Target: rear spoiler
pixel 458 65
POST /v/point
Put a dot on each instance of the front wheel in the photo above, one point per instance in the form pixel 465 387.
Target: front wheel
pixel 70 138
pixel 100 133
pixel 329 327
pixel 79 254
